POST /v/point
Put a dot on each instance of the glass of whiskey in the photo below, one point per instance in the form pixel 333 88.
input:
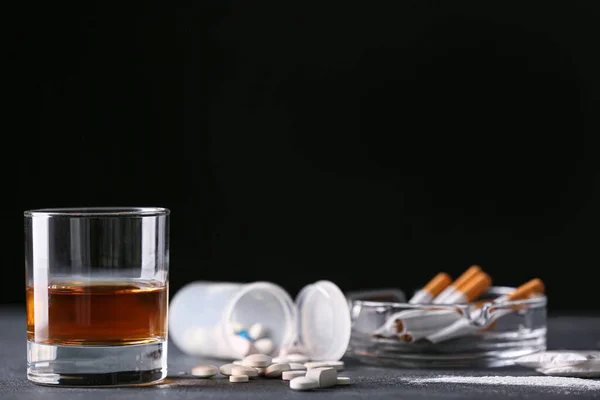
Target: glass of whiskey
pixel 97 295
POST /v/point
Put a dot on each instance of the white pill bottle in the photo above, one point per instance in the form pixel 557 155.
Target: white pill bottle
pixel 203 317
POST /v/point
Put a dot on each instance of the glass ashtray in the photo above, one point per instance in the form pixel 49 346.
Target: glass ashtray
pixel 479 334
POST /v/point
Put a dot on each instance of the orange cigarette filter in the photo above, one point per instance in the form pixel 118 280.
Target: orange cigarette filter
pixel 467 275
pixel 439 282
pixel 527 289
pixel 474 287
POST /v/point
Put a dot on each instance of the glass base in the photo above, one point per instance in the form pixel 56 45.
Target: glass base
pixel 96 365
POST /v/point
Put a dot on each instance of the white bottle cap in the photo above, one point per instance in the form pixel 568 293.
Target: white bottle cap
pixel 323 321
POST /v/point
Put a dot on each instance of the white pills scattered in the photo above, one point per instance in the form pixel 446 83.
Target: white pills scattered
pixel 258 360
pixel 205 371
pixel 257 331
pixel 244 370
pixel 325 377
pixel 303 383
pixel 264 346
pixel 343 380
pixel 297 367
pixel 238 378
pixel 275 370
pixel 289 375
pixel 225 369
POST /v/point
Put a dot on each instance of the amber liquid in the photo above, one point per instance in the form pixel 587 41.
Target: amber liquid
pixel 99 314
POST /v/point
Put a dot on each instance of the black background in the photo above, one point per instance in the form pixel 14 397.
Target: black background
pixel 369 143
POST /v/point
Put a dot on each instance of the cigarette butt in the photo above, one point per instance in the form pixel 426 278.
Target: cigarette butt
pixel 451 289
pixel 525 290
pixel 467 275
pixel 432 289
pixel 474 287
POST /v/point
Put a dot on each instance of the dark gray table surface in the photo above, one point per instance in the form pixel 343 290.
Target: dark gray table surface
pixel 369 382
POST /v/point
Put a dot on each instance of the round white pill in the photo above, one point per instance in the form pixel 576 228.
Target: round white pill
pixel 297 367
pixel 238 378
pixel 289 375
pixel 258 360
pixel 303 383
pixel 343 380
pixel 225 369
pixel 244 370
pixel 264 346
pixel 297 358
pixel 205 371
pixel 275 370
pixel 257 331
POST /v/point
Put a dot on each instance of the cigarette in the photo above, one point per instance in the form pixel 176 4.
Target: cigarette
pixel 471 289
pixel 464 326
pixel 434 287
pixel 451 289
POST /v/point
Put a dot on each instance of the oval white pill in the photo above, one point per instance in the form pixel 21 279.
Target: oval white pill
pixel 225 369
pixel 325 377
pixel 257 331
pixel 244 370
pixel 289 375
pixel 297 367
pixel 238 378
pixel 264 346
pixel 258 360
pixel 297 358
pixel 343 380
pixel 275 370
pixel 204 371
pixel 338 365
pixel 303 383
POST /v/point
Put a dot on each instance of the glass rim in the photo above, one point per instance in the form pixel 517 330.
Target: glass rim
pixel 98 212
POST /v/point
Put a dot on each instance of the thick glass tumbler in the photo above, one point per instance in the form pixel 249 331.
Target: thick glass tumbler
pixel 97 295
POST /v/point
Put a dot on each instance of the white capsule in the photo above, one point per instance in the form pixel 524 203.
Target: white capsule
pixel 237 327
pixel 303 383
pixel 289 375
pixel 325 377
pixel 343 380
pixel 238 378
pixel 244 370
pixel 264 346
pixel 258 360
pixel 275 370
pixel 297 367
pixel 241 346
pixel 257 331
pixel 204 371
